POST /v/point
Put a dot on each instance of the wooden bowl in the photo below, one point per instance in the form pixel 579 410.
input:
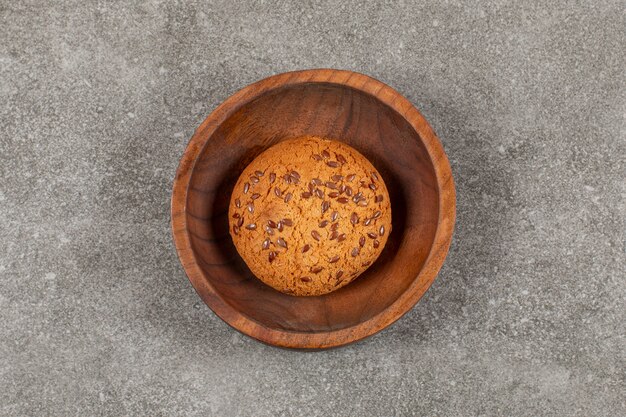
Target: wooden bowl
pixel 342 105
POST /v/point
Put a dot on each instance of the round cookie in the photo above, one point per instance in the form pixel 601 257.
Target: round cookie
pixel 309 215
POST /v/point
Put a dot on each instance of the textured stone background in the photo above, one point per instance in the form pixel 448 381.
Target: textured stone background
pixel 98 100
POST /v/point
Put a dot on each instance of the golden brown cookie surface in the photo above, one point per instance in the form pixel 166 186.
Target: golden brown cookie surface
pixel 309 215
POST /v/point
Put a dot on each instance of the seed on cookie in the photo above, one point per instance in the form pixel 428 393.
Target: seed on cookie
pixel 268 229
pixel 323 224
pixel 354 218
pixel 317 181
pixel 251 207
pixel 259 173
pixel 340 158
pixel 355 252
pixel 378 199
pixel 246 187
pixel 334 226
pixel 331 185
pixel 306 247
pixel 374 176
pixel 333 194
pixel 305 279
pixel 342 200
pixel 240 221
pixel 371 235
pixel 236 230
pixel 271 256
pixel 254 179
pixel 350 177
pixel 337 177
pixel 316 235
pixel 287 222
pixel 367 222
pixel 333 259
pixel 348 191
pixel 381 231
pixel 339 274
pixel 372 187
pixel 272 177
pixel 325 154
pixel 255 196
pixel 266 243
pixel 251 226
pixel 325 206
pixel 333 235
pixel 332 164
pixel 334 216
pixel 281 242
pixel 341 237
pixel 316 157
pixel 376 243
pixel 288 197
pixel 236 215
pixel 277 192
pixel 237 203
pixel 305 194
pixel 362 241
pixel 319 193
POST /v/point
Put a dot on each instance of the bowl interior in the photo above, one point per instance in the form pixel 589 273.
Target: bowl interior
pixel 337 112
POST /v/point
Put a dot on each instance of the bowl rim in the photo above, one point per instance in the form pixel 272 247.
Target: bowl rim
pixel 406 301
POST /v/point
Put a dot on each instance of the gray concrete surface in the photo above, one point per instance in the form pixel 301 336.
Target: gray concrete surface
pixel 98 100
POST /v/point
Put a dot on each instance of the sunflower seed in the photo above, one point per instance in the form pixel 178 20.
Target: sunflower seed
pixel 348 191
pixel 372 187
pixel 236 230
pixel 251 207
pixel 279 226
pixel 371 235
pixel 334 226
pixel 288 179
pixel 337 177
pixel 381 231
pixel 237 203
pixel 255 196
pixel 288 197
pixel 306 247
pixel 355 252
pixel 317 269
pixel 341 237
pixel 277 192
pixel 271 256
pixel 333 194
pixel 236 215
pixel 357 197
pixel 316 157
pixel 374 176
pixel 254 179
pixel 246 187
pixel 305 194
pixel 350 177
pixel 323 224
pixel 332 164
pixel 333 259
pixel 315 234
pixel 317 181
pixel 281 242
pixel 362 203
pixel 342 200
pixel 325 154
pixel 251 226
pixel 331 185
pixel 319 193
pixel 339 274
pixel 305 279
pixel 367 222
pixel 334 216
pixel 333 235
pixel 266 243
pixel 341 158
pixel 378 198
pixel 268 230
pixel 272 177
pixel 240 221
pixel 377 214
pixel 368 263
pixel 325 206
pixel 311 187
pixel 342 189
pixel 376 244
pixel 259 173
pixel 362 241
pixel 287 222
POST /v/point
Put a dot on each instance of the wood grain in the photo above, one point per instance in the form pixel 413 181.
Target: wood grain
pixel 340 105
